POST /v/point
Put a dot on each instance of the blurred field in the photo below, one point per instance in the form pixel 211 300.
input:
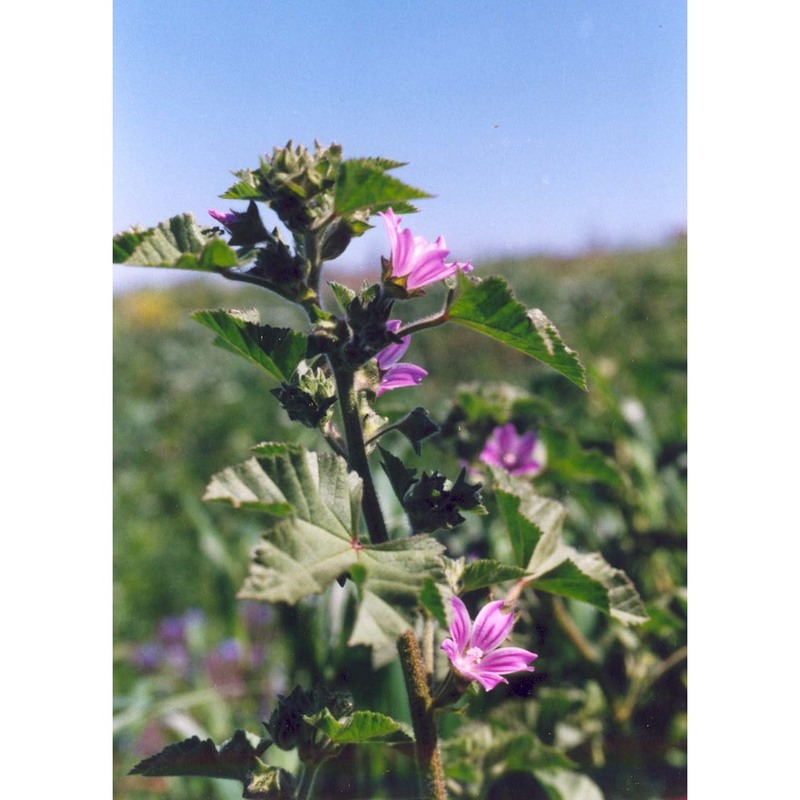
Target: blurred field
pixel 189 659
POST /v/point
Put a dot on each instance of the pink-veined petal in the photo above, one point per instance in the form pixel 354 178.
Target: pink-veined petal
pixel 491 626
pixel 432 270
pixel 451 648
pixel 392 353
pixel 400 375
pixel 461 625
pixel 486 679
pixel 392 222
pixel 508 659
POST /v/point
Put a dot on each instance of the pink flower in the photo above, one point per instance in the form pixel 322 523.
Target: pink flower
pixel 395 375
pixel 225 218
pixel 514 453
pixel 473 648
pixel 414 260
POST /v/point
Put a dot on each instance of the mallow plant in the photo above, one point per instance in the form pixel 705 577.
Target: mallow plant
pixel 327 534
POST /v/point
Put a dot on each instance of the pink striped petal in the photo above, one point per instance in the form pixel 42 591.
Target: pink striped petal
pixel 491 626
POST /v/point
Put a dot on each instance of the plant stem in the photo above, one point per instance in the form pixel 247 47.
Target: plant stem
pixel 573 632
pixel 307 781
pixel 357 454
pixel 429 759
pixel 423 717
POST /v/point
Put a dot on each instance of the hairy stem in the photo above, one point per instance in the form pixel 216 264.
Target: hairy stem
pixel 423 717
pixel 357 455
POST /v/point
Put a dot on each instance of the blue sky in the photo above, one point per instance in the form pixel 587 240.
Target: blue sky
pixel 539 126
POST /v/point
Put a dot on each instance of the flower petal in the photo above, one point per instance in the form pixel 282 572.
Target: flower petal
pixel 451 648
pixel 400 375
pixel 491 627
pixel 485 678
pixel 508 659
pixel 392 353
pixel 461 625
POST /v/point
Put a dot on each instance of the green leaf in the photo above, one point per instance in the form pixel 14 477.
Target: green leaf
pixel 431 600
pixel 245 188
pixel 178 243
pixel 534 523
pixel 317 541
pixel 487 572
pixel 590 578
pixel 344 295
pixel 276 350
pixel 237 759
pixel 535 526
pixel 363 183
pixel 363 727
pixel 489 307
pixel 567 457
pixel 562 784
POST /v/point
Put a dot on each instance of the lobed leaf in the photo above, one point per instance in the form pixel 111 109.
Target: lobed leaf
pixel 276 350
pixel 179 243
pixel 363 183
pixel 487 572
pixel 237 759
pixel 317 541
pixel 534 523
pixel 362 727
pixel 488 306
pixel 535 526
pixel 590 578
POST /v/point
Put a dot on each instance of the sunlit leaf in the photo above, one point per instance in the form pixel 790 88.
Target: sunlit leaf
pixel 487 572
pixel 535 526
pixel 488 306
pixel 318 541
pixel 363 183
pixel 178 243
pixel 562 784
pixel 362 727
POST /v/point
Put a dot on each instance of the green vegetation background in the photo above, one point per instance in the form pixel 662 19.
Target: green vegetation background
pixel 184 409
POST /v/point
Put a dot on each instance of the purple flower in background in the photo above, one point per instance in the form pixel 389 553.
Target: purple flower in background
pixel 147 657
pixel 415 259
pixel 514 453
pixel 396 374
pixel 474 651
pixel 224 667
pixel 172 630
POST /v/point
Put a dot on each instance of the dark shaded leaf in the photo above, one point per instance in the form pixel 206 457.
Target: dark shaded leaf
pixel 276 350
pixel 237 759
